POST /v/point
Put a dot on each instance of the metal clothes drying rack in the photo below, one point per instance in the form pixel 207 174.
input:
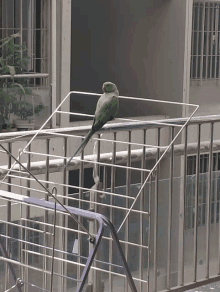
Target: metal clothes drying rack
pixel 74 212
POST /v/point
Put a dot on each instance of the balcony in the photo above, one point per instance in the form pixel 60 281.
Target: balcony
pixel 171 236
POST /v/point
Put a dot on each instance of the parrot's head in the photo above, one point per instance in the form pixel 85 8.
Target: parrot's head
pixel 109 87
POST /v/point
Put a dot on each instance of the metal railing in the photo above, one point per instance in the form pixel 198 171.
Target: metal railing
pixel 178 244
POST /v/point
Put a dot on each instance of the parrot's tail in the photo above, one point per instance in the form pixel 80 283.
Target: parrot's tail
pixel 82 145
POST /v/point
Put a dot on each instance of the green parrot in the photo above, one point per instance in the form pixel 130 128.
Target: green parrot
pixel 106 109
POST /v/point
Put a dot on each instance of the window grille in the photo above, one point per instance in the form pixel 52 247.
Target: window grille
pixel 32 19
pixel 205 49
pixel 203 187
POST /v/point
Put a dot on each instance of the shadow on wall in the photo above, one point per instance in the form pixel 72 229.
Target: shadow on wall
pixel 114 41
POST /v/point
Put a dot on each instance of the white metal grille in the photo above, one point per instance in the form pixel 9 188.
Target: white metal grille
pixel 205 50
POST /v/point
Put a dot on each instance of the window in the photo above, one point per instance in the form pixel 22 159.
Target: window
pixel 203 188
pixel 205 40
pixel 32 19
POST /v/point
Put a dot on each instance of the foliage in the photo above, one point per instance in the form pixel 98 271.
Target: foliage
pixel 23 109
pixel 14 60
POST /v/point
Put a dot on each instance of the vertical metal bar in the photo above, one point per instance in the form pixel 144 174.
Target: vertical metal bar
pixel 30 34
pixel 196 204
pixel 197 41
pixel 21 24
pixel 215 190
pixel 128 181
pixel 208 201
pixel 219 228
pixel 182 211
pixel 64 219
pixel 156 213
pixel 211 41
pixel 54 191
pixel 46 213
pixel 193 41
pixel 113 171
pixel 54 59
pixel 202 181
pixel 170 211
pixel 97 274
pixel 202 44
pixel 207 38
pixel 216 36
pixel 81 181
pixel 3 20
pixel 34 39
pixel 149 233
pixel 49 42
pixel 142 200
pixel 13 9
pixel 42 40
pixel 26 232
pixel 8 227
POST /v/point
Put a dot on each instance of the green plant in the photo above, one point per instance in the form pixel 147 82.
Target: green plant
pixel 14 60
pixel 23 109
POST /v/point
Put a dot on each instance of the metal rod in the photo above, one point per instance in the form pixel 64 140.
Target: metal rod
pixel 29 75
pixel 196 205
pixel 197 42
pixel 64 218
pixel 150 197
pixel 156 216
pixel 81 182
pixel 212 25
pixel 193 43
pixel 207 38
pixel 142 204
pixel 54 191
pixel 182 212
pixel 8 214
pixel 202 44
pixel 128 182
pixel 208 201
pixel 170 211
pixel 216 36
pixel 113 172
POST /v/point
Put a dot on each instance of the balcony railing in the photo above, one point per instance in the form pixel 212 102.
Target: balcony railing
pixel 191 244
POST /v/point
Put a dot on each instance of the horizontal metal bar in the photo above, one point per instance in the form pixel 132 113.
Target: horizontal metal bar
pixel 60 184
pixel 77 158
pixel 192 285
pixel 105 205
pixel 103 139
pixel 80 264
pixel 75 231
pixel 23 135
pixel 28 75
pixel 56 165
pixel 25 227
pixel 34 268
pixel 119 119
pixel 57 250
